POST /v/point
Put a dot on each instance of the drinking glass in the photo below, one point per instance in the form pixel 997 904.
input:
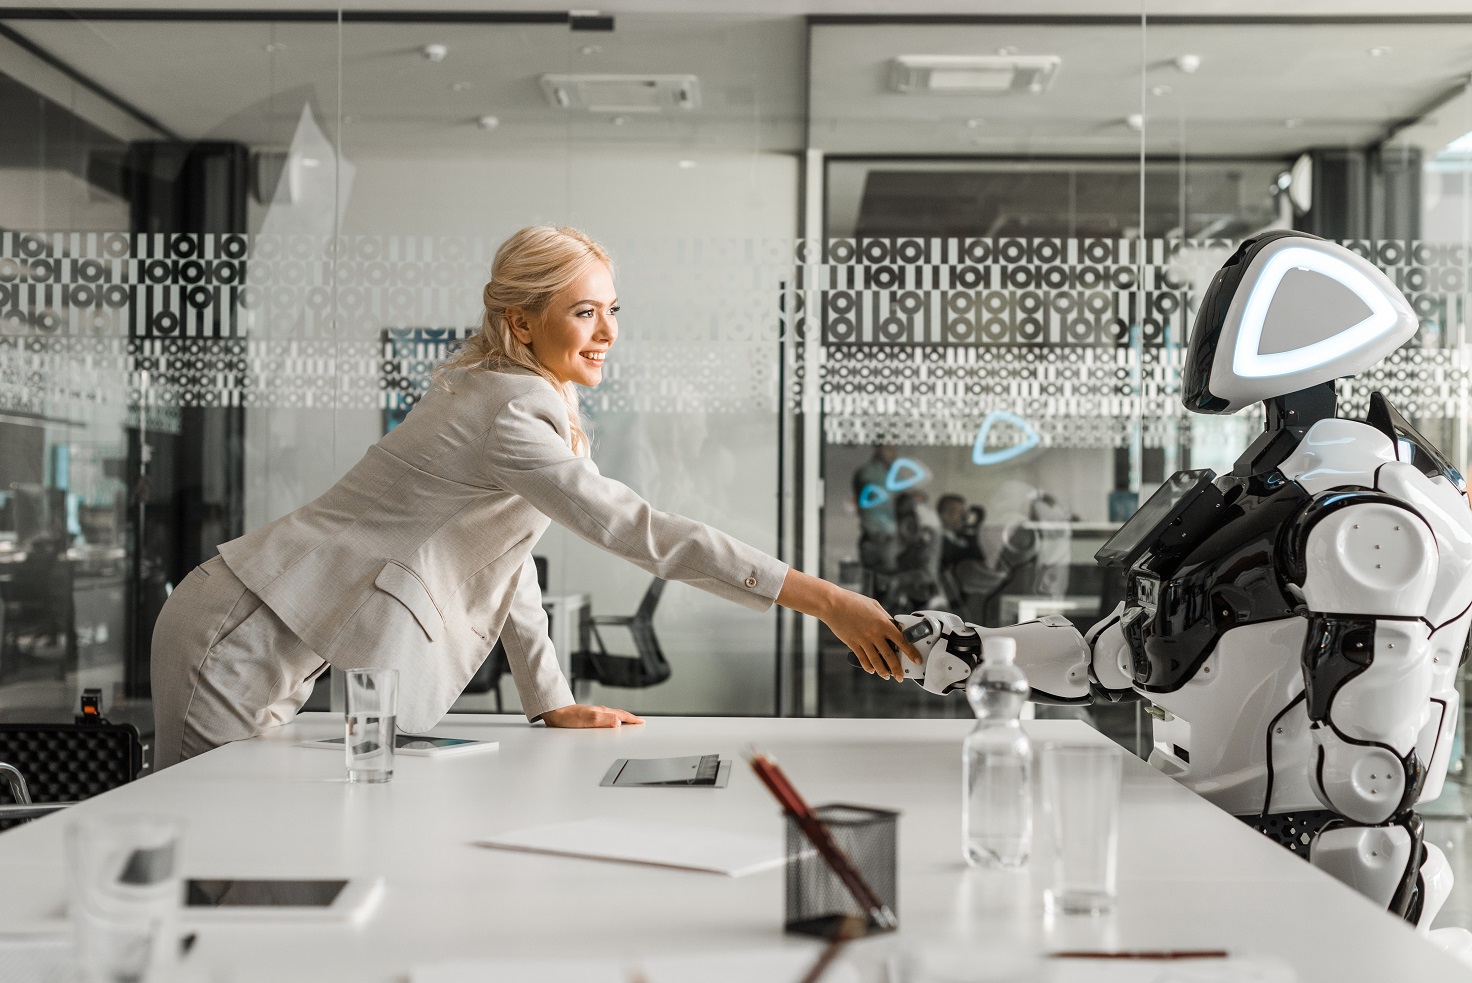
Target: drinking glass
pixel 1081 803
pixel 125 890
pixel 372 702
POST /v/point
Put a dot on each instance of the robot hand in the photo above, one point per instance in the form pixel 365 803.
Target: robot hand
pixel 950 647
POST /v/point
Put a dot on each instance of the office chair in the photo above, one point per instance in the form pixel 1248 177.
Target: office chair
pixel 50 766
pixel 487 678
pixel 647 668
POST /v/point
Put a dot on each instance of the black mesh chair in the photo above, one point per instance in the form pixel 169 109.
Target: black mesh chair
pixel 487 678
pixel 47 767
pixel 645 668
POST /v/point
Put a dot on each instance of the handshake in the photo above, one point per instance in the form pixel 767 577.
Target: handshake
pixel 951 648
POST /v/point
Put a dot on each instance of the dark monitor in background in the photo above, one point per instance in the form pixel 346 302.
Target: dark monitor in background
pixel 541 562
pixel 29 506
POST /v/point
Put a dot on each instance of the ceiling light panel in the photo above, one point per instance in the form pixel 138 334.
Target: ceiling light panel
pixel 997 74
pixel 622 93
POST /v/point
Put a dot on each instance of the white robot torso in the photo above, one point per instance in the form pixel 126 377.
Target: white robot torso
pixel 1238 730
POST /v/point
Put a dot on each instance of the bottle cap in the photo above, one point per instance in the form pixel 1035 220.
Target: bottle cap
pixel 999 648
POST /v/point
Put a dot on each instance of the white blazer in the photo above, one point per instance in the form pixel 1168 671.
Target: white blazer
pixel 419 558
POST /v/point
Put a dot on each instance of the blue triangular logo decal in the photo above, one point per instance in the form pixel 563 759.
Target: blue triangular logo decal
pixel 897 480
pixel 1030 439
pixel 872 495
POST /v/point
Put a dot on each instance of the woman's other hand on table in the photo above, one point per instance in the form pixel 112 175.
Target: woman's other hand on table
pixel 580 715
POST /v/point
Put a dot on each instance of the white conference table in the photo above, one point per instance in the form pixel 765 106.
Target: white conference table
pixel 1191 877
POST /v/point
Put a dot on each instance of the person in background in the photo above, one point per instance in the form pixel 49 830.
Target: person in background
pixel 958 529
pixel 917 563
pixel 419 558
pixel 878 530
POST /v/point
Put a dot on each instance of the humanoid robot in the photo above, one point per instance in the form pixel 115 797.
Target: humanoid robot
pixel 1295 625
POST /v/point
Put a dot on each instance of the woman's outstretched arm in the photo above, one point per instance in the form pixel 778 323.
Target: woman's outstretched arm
pixel 860 622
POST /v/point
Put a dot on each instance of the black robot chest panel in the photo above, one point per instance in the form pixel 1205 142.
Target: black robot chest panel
pixel 1182 598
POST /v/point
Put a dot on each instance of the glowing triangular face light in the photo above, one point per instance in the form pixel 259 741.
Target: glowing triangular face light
pixel 1030 439
pixel 872 495
pixel 1248 362
pixel 904 473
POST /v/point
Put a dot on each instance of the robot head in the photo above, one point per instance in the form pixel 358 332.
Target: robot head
pixel 1289 311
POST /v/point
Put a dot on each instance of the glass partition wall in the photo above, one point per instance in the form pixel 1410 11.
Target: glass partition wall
pixel 910 322
pixel 234 245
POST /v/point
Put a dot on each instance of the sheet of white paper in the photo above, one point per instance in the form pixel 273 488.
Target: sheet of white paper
pixel 1233 969
pixel 767 965
pixel 640 841
pixel 521 970
pixel 37 959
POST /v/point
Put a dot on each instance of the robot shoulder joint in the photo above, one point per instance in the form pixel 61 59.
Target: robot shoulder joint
pixel 1362 551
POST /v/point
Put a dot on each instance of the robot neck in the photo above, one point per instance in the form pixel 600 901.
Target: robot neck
pixel 1289 417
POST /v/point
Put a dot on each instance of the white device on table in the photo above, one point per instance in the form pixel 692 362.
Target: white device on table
pixel 280 899
pixel 1298 623
pixel 419 744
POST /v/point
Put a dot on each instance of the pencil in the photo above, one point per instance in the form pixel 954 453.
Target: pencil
pixel 1143 954
pixel 822 840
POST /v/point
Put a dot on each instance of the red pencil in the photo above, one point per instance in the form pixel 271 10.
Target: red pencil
pixel 822 839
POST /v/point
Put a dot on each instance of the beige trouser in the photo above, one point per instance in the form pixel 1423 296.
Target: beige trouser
pixel 224 666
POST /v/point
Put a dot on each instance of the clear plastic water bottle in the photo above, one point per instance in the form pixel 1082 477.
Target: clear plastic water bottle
pixel 996 797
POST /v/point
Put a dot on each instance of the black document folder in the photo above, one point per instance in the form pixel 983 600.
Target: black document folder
pixel 696 770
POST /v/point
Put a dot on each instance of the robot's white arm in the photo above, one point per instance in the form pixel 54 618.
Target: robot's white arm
pixel 1366 565
pixel 1062 666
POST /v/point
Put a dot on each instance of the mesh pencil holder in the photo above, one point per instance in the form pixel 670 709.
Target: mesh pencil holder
pixel 817 899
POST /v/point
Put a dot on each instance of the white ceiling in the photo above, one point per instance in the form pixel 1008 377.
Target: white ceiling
pixel 248 81
pixel 223 80
pixel 1261 89
pixel 1126 8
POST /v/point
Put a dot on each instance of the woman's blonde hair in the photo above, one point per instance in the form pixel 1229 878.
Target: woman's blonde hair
pixel 530 268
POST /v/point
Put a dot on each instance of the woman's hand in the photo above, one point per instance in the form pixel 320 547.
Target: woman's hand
pixel 578 715
pixel 860 622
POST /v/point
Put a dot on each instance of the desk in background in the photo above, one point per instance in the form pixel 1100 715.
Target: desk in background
pixel 1190 875
pixel 566 614
pixel 1082 610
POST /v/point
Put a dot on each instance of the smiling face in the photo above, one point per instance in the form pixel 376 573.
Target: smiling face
pixel 571 337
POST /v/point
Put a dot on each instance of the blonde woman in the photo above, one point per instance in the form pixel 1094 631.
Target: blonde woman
pixel 419 558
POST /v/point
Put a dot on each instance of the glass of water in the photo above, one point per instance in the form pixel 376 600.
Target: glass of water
pixel 373 696
pixel 1081 784
pixel 125 890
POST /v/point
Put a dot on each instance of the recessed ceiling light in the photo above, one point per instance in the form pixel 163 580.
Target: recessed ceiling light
pixel 459 86
pixel 619 120
pixel 488 122
pixel 435 52
pixel 975 123
pixel 1160 90
pixel 622 94
pixel 1188 63
pixel 1135 121
pixel 274 48
pixel 590 49
pixel 311 162
pixel 685 165
pixel 1293 122
pixel 973 74
pixel 1379 51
